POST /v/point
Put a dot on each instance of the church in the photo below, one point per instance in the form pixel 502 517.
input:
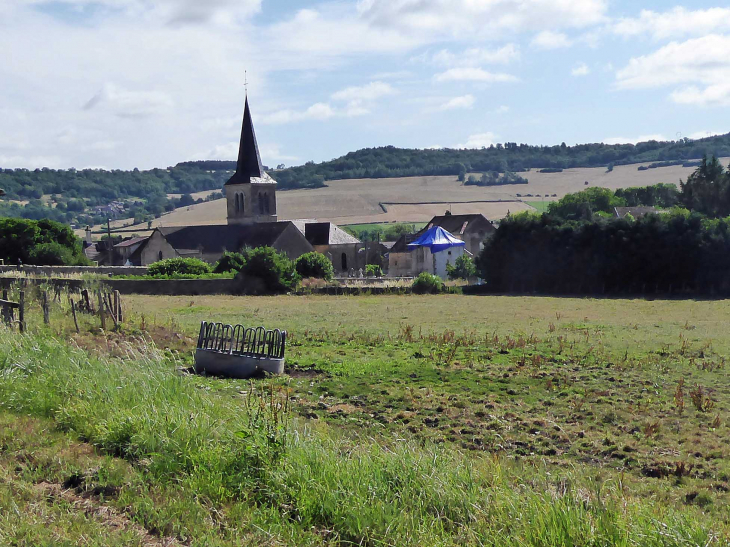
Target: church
pixel 252 221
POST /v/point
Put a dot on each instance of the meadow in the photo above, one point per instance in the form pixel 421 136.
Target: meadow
pixel 401 420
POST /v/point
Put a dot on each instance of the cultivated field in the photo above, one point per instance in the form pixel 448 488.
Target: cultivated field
pixel 401 420
pixel 359 201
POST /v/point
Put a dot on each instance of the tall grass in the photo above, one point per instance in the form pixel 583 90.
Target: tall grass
pixel 243 454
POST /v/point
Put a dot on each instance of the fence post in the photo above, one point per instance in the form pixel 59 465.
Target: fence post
pixel 7 312
pixel 101 311
pixel 46 311
pixel 21 312
pixel 73 312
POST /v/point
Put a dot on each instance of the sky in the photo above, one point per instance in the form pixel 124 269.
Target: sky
pixel 118 84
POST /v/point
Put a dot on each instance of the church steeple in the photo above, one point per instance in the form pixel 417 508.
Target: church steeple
pixel 250 192
pixel 248 165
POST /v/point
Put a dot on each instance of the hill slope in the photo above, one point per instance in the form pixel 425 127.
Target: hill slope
pixel 81 196
pixel 418 199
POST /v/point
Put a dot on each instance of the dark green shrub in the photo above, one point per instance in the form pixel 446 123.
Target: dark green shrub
pixel 373 270
pixel 178 266
pixel 51 254
pixel 230 262
pixel 427 283
pixel 463 268
pixel 275 270
pixel 315 265
pixel 20 237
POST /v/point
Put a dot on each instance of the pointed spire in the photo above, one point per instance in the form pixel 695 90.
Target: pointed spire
pixel 249 160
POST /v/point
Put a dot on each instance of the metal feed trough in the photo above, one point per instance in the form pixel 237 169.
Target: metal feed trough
pixel 239 352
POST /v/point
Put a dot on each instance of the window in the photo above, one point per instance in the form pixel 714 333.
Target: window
pixel 344 262
pixel 159 255
pixel 261 204
pixel 266 203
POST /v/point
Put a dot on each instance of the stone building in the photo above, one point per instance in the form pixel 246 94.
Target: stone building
pixel 252 221
pixel 473 230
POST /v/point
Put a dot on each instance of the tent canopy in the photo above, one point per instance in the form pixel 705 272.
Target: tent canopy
pixel 436 239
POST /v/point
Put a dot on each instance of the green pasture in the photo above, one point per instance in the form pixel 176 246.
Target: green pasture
pixel 401 420
pixel 539 206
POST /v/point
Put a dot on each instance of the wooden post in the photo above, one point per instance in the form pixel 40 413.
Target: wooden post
pixel 118 306
pixel 111 312
pixel 102 316
pixel 21 311
pixel 7 312
pixel 73 312
pixel 46 309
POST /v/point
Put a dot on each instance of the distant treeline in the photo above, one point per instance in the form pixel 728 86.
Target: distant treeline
pixel 76 194
pixel 494 178
pixel 579 246
pixel 658 164
pixel 389 161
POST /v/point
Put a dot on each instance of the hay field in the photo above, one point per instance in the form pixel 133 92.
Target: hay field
pixel 358 201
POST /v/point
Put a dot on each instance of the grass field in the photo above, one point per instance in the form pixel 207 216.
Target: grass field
pixel 539 206
pixel 402 420
pixel 358 201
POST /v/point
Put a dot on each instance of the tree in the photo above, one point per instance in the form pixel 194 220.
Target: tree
pixel 273 269
pixel 315 264
pixel 463 268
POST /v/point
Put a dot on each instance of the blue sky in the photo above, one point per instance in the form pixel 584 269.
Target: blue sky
pixel 149 83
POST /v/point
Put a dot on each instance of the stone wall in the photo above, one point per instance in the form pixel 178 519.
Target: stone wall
pixel 174 287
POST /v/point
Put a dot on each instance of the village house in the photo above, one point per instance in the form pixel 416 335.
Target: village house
pixel 472 229
pixel 252 221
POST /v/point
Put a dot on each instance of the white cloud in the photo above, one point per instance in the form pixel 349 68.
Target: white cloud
pixel 643 138
pixel 130 104
pixel 369 92
pixel 318 112
pixel 581 70
pixel 471 74
pixel 477 56
pixel 712 95
pixel 502 109
pixel 701 64
pixel 548 39
pixel 463 102
pixel 270 153
pixel 479 140
pixel 487 17
pixel 172 12
pixel 674 23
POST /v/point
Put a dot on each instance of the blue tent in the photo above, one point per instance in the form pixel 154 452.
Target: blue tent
pixel 437 239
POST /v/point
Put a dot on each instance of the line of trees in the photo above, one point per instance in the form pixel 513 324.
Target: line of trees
pixel 576 248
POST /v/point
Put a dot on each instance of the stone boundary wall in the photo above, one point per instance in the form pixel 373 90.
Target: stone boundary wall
pixel 53 271
pixel 174 287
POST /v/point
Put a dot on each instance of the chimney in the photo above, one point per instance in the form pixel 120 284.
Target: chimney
pixel 88 235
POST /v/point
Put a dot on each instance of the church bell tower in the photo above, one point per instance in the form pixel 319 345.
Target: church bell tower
pixel 250 192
